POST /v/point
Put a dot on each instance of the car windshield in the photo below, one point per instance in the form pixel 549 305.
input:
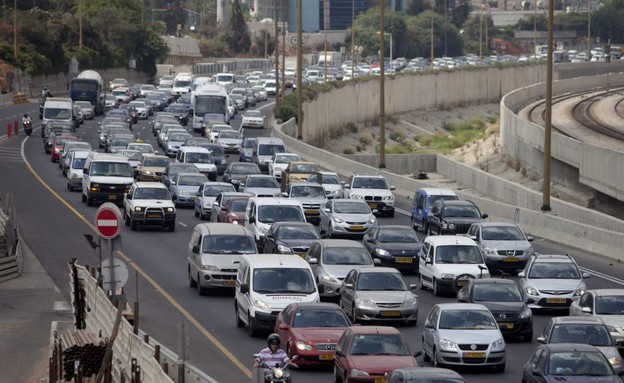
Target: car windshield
pixel 494 292
pixel 610 305
pixel 182 168
pixel 156 162
pixel 269 150
pixel 461 211
pixel 245 169
pixel 286 159
pixel 296 232
pixel 380 281
pixel 131 155
pixel 346 256
pixel 253 113
pixel 502 233
pixel 433 198
pixel 594 334
pixel 111 169
pixel 121 141
pixel 369 183
pixel 230 134
pixel 348 207
pixel 308 191
pixel 238 205
pixel 548 270
pixel 228 244
pixel 214 190
pixel 331 180
pixel 199 158
pixel 78 163
pixel 151 193
pixel 466 320
pixel 283 281
pixel 191 180
pixel 261 182
pixel 304 168
pixel 142 148
pixel 579 363
pixel 280 213
pixel 378 344
pixel 320 318
pixel 397 235
pixel 178 137
pixel 458 254
pixel 216 151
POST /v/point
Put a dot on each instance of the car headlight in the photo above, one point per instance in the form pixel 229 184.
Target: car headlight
pixel 388 198
pixel 531 291
pixel 209 268
pixel 357 196
pixel 147 172
pixel 364 302
pixel 448 345
pixel 372 221
pixel 579 292
pixel 170 210
pixel 447 276
pixel 451 226
pixel 284 249
pixel 183 192
pixel 138 208
pixel 260 304
pixel 615 360
pixel 498 345
pixel 356 372
pixel 382 252
pixel 410 302
pixel 301 346
pixel 329 278
pixel 530 251
pixel 525 313
pixel 338 220
pixel 262 229
pixel 489 251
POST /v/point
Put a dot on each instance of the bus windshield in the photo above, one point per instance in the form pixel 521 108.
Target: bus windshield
pixel 210 104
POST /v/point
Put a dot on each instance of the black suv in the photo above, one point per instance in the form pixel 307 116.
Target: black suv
pixel 453 217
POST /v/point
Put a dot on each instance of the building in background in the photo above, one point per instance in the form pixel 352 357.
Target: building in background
pixel 341 13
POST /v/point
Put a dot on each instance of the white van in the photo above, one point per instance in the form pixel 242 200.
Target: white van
pixel 201 158
pixel 262 212
pixel 106 178
pixel 182 83
pixel 266 284
pixel 214 252
pixel 264 149
pixel 224 78
pixel 58 109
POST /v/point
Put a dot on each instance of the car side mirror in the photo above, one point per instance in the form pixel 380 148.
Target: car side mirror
pixel 129 196
pixel 587 310
pixel 529 301
pixel 586 275
pixel 313 261
pixel 417 354
pixel 619 342
pixel 327 210
pixel 429 325
pixel 428 261
pixel 252 219
pixel 85 171
pixel 484 216
pixel 368 239
pixel 284 194
pixel 530 238
pixel 537 372
pixel 347 186
pixel 541 339
pixel 215 203
pixel 474 238
pixel 392 187
pixel 195 249
pixel 284 326
pixel 174 197
pixel 412 286
pixel 348 285
pixel 521 274
pixel 340 353
pixel 462 298
pixel 244 288
pixel 377 262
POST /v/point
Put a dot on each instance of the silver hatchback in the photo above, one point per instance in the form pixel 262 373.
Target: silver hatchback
pixel 346 217
pixel 504 245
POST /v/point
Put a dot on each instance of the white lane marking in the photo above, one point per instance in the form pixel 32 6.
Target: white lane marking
pixel 407 213
pixel 604 276
pixel 183 224
pixel 61 306
pixel 266 105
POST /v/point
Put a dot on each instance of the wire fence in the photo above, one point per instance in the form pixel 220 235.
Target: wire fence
pixel 11 253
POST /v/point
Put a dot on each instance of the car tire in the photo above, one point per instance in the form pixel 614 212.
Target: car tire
pixel 353 319
pixel 133 225
pixel 421 285
pixel 528 337
pixel 412 323
pixel 434 359
pixel 329 231
pixel 127 218
pixel 192 282
pixel 200 289
pixel 390 213
pixel 89 201
pixel 239 321
pixel 436 288
pixel 253 331
pixel 171 226
pixel 84 198
pixel 336 378
pixel 500 368
pixel 426 357
pixel 196 214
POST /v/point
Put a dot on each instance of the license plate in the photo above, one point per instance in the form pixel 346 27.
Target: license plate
pixel 302 255
pixel 153 216
pixel 229 283
pixel 461 283
pixel 511 259
pixel 313 212
pixel 506 325
pixel 390 313
pixel 326 357
pixel 372 205
pixel 474 355
pixel 112 197
pixel 357 227
pixel 192 198
pixel 403 260
pixel 380 380
pixel 555 300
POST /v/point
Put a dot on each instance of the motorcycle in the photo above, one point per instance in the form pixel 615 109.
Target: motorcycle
pixel 277 374
pixel 27 127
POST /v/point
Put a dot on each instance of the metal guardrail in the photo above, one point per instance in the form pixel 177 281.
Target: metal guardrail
pixel 11 253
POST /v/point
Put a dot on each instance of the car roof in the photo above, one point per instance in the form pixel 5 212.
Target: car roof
pixel 429 372
pixel 369 175
pixel 496 224
pixel 395 227
pixel 553 258
pixel 275 260
pixel 449 240
pixel 316 306
pixel 607 292
pixel 373 330
pixel 377 269
pixel 276 201
pixel 461 306
pixel 438 191
pixel 221 228
pixel 330 242
pixel 493 281
pixel 158 185
pixel 558 347
pixel 457 202
pixel 578 320
pixel 292 223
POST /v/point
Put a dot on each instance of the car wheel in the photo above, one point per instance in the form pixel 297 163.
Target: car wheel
pixel 353 313
pixel 253 331
pixel 426 357
pixel 528 337
pixel 390 213
pixel 200 289
pixel 239 321
pixel 197 214
pixel 192 282
pixel 421 285
pixel 434 359
pixel 329 231
pixel 84 198
pixel 89 201
pixel 133 225
pixel 499 368
pixel 127 220
pixel 172 226
pixel 337 379
pixel 436 289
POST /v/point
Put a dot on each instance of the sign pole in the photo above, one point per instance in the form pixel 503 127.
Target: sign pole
pixel 112 271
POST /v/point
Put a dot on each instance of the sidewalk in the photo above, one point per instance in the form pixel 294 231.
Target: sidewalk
pixel 28 306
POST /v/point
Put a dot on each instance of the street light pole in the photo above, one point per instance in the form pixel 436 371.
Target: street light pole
pixel 353 47
pixel 299 72
pixel 15 29
pixel 277 81
pixel 548 111
pixel 266 32
pixel 432 41
pixel 589 4
pixel 382 90
pixel 80 22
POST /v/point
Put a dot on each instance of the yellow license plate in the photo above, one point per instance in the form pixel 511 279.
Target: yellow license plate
pixel 154 216
pixel 556 300
pixel 474 355
pixel 372 205
pixel 511 259
pixel 229 283
pixel 313 212
pixel 461 283
pixel 326 357
pixel 380 380
pixel 390 313
pixel 192 198
pixel 302 255
pixel 506 325
pixel 403 260
pixel 357 227
pixel 112 197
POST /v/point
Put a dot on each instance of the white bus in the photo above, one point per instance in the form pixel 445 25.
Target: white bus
pixel 210 105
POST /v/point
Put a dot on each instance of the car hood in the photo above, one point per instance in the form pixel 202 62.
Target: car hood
pixel 340 271
pixel 206 167
pixel 471 336
pixel 187 189
pixel 612 320
pixel 280 166
pixel 361 191
pixel 310 200
pixel 380 364
pixel 222 261
pixel 354 217
pixel 263 191
pixel 296 242
pixel 503 307
pixel 153 169
pixel 236 141
pixel 507 245
pixel 399 248
pixel 164 203
pixel 120 181
pixel 318 334
pixel 386 296
pixel 557 284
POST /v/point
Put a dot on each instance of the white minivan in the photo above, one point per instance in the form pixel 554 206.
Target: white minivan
pixel 262 212
pixel 266 284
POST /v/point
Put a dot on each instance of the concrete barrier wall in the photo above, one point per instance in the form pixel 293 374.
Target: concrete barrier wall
pixel 399 163
pixel 577 163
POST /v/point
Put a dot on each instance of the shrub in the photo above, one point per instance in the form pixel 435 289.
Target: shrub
pixel 351 127
pixel 397 135
pixel 348 151
pixel 425 140
pixel 365 138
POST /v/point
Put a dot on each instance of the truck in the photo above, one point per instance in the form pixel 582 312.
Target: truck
pixel 333 59
pixel 89 86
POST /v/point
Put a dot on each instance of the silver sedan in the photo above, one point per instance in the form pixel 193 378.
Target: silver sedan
pixel 345 217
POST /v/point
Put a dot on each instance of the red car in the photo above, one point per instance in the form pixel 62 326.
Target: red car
pixel 311 331
pixel 234 211
pixel 57 146
pixel 368 353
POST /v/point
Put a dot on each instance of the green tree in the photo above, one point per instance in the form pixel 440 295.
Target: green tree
pixel 608 22
pixel 240 41
pixel 535 21
pixel 416 7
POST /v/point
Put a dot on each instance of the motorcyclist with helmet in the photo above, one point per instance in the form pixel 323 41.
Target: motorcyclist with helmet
pixel 272 356
pixel 45 93
pixel 27 124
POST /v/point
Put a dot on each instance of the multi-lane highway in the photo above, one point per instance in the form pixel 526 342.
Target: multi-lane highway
pixel 53 220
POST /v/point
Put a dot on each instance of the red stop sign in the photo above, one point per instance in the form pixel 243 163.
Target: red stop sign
pixel 108 221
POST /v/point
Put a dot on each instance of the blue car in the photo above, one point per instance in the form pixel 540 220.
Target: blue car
pixel 218 155
pixel 423 200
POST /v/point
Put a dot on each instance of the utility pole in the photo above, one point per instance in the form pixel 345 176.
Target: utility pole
pixel 15 29
pixel 284 53
pixel 277 81
pixel 266 32
pixel 299 71
pixel 382 88
pixel 353 46
pixel 432 41
pixel 548 111
pixel 80 22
